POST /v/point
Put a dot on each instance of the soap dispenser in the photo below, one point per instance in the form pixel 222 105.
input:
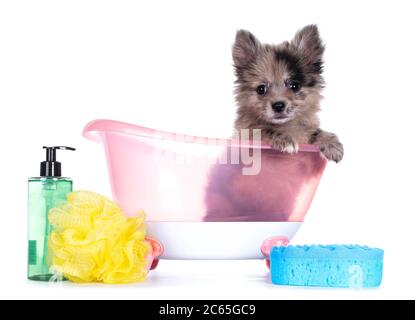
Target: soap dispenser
pixel 45 192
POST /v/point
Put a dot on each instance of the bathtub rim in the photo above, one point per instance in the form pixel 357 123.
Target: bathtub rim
pixel 93 129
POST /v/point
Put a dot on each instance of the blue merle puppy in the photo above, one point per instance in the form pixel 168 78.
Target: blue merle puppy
pixel 278 90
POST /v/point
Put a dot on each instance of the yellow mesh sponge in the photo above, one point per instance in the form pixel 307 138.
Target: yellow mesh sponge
pixel 93 241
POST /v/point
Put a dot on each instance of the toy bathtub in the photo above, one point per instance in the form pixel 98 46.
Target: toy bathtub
pixel 208 198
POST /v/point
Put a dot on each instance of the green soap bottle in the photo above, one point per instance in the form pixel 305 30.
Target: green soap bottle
pixel 45 192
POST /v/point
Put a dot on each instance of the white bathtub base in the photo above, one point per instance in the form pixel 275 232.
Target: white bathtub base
pixel 217 240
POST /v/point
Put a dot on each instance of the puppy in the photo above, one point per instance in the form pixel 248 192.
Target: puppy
pixel 278 90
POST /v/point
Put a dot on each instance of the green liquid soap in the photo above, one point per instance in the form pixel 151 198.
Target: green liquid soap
pixel 45 192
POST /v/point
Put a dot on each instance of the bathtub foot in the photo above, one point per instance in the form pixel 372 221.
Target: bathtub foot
pixel 154 264
pixel 156 251
pixel 272 242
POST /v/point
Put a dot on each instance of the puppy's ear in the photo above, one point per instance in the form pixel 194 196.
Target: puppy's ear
pixel 245 48
pixel 308 44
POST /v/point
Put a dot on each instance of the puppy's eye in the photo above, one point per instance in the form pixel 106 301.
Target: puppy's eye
pixel 262 89
pixel 294 86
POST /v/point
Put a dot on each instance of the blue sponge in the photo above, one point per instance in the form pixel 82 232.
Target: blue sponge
pixel 344 266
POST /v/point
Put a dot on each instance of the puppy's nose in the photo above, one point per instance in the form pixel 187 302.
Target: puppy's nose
pixel 278 106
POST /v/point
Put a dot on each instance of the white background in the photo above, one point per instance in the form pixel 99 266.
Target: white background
pixel 167 65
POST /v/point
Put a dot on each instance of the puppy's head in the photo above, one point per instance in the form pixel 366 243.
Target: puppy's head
pixel 278 83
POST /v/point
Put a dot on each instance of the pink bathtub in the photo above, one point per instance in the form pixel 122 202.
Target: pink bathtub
pixel 208 198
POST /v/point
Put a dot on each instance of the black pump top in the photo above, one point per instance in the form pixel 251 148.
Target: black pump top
pixel 50 167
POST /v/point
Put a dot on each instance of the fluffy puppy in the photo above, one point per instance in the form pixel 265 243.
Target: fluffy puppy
pixel 278 90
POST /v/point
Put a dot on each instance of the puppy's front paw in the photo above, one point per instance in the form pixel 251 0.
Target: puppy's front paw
pixel 284 144
pixel 330 145
pixel 332 150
